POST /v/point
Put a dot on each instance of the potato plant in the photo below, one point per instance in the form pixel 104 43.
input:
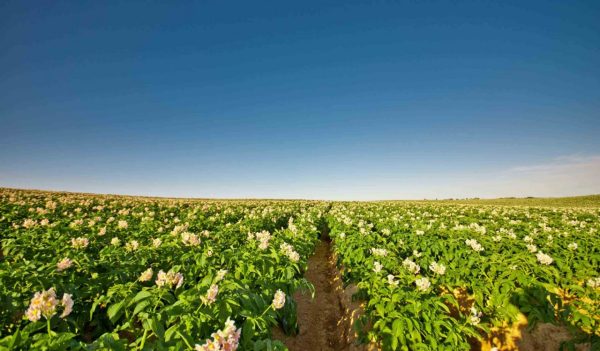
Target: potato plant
pixel 436 276
pixel 83 272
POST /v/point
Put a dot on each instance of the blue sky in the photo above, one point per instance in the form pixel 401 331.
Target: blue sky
pixel 329 100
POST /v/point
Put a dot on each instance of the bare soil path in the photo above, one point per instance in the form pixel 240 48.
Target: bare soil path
pixel 318 318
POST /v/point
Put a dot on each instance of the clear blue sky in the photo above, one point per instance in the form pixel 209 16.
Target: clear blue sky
pixel 309 99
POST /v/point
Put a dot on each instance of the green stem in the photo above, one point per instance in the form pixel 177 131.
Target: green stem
pixel 185 340
pixel 144 339
pixel 49 329
pixel 268 308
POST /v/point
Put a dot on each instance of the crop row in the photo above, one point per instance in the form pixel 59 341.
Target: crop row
pixel 451 277
pixel 82 272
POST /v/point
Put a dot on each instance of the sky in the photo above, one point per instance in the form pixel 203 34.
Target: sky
pixel 350 100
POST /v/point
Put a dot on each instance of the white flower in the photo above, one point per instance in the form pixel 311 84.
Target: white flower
pixel 289 251
pixel 115 241
pixel 67 303
pixel 532 248
pixel 417 253
pixel 543 258
pixel 474 245
pixel 437 268
pixel 156 242
pixel 379 252
pixel 211 294
pixel 573 246
pixel 594 282
pixel 190 239
pixel 80 243
pixel 146 275
pixel 475 316
pixel 222 340
pixel 377 267
pixel 132 245
pixel 411 266
pixel 278 299
pixel 65 263
pixel 171 278
pixel 422 284
pixel 122 224
pixel 391 280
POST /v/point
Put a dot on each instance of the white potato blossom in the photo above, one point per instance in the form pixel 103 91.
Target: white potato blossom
pixel 379 252
pixel 63 264
pixel 474 245
pixel 122 224
pixel 156 242
pixel 263 238
pixel 190 239
pixel 391 280
pixel 572 246
pixel 437 268
pixel 532 248
pixel 422 284
pixel 67 303
pixel 45 303
pixel 475 316
pixel 211 295
pixel 377 267
pixel 80 243
pixel 593 282
pixel 289 251
pixel 170 279
pixel 226 339
pixel 146 275
pixel 115 241
pixel 411 266
pixel 527 239
pixel 132 245
pixel 278 299
pixel 417 253
pixel 544 259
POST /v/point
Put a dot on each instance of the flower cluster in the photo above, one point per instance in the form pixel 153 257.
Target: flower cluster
pixel 44 303
pixel 171 279
pixel 80 243
pixel 278 299
pixel 190 239
pixel 289 251
pixel 263 239
pixel 475 316
pixel 594 282
pixel 392 280
pixel 226 339
pixel 544 259
pixel 474 245
pixel 572 246
pixel 377 267
pixel 422 284
pixel 437 268
pixel 211 295
pixel 146 275
pixel 379 252
pixel 411 266
pixel 65 263
pixel 132 245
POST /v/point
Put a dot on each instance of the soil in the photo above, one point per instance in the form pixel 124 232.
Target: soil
pixel 318 317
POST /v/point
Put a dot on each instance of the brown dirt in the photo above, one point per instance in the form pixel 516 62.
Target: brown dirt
pixel 323 322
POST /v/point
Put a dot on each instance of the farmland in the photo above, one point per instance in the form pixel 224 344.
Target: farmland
pixel 97 272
